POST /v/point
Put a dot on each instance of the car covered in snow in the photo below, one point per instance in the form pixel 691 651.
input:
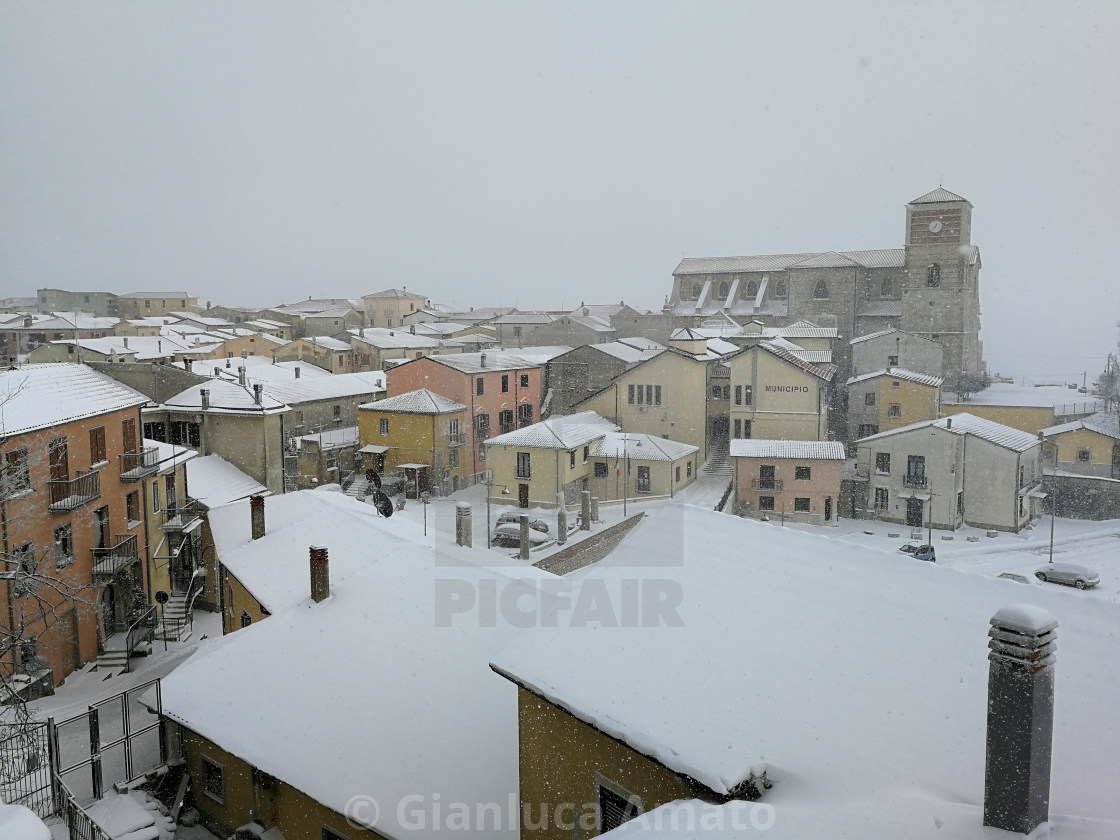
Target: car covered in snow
pixel 508 534
pixel 1018 577
pixel 1068 574
pixel 919 551
pixel 514 517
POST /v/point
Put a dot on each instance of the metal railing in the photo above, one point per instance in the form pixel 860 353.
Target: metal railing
pixel 916 481
pixel 771 484
pixel 73 493
pixel 456 439
pixel 111 559
pixel 141 630
pixel 138 465
pixel 180 517
pixel 78 823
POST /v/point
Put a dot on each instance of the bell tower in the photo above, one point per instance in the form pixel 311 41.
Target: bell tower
pixel 941 279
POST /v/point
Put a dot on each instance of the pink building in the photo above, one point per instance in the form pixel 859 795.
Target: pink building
pixel 501 391
pixel 798 480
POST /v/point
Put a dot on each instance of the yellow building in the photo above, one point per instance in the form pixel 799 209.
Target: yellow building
pixel 417 428
pixel 1089 447
pixel 572 453
pixel 890 398
pixel 1027 408
pixel 145 304
pixel 328 353
pixel 776 395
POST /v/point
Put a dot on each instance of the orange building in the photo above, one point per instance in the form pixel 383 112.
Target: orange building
pixel 798 480
pixel 501 391
pixel 72 509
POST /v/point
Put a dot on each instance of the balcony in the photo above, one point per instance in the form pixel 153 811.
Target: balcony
pixel 181 518
pixel 138 465
pixel 71 494
pixel 769 485
pixel 108 561
pixel 455 438
pixel 917 482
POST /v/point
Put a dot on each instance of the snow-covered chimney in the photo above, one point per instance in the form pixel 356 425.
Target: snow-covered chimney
pixel 482 360
pixel 256 516
pixel 948 422
pixel 256 392
pixel 241 376
pixel 125 340
pixel 320 574
pixel 297 371
pixel 204 395
pixel 244 354
pixel 187 363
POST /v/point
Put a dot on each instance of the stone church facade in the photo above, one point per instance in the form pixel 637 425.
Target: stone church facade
pixel 930 287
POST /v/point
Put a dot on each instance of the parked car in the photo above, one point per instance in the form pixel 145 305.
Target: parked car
pixel 514 517
pixel 1068 574
pixel 919 551
pixel 508 535
pixel 1018 577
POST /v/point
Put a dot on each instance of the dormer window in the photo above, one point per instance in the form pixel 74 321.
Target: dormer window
pixel 821 290
pixel 933 276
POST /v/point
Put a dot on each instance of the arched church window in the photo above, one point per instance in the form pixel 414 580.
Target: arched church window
pixel 723 290
pixel 780 290
pixel 933 276
pixel 752 289
pixel 887 288
pixel 697 288
pixel 821 291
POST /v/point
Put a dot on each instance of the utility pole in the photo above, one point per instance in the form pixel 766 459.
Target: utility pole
pixel 929 529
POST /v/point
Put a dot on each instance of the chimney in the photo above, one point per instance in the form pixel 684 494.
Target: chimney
pixel 948 422
pixel 256 516
pixel 1020 718
pixel 125 340
pixel 412 329
pixel 187 362
pixel 297 371
pixel 229 361
pixel 256 392
pixel 482 360
pixel 244 354
pixel 204 393
pixel 320 574
pixel 241 376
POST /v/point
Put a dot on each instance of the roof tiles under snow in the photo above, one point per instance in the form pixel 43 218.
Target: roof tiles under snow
pixel 969 424
pixel 30 396
pixel 562 432
pixel 820 450
pixel 420 401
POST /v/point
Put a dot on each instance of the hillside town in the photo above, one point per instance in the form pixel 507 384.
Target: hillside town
pixel 380 567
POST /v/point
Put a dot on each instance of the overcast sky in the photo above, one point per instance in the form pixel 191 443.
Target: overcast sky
pixel 543 154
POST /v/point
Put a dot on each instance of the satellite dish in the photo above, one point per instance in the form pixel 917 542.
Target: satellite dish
pixel 382 502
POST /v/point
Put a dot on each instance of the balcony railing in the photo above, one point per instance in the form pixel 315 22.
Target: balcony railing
pixel 108 561
pixel 181 516
pixel 769 484
pixel 138 465
pixel 915 481
pixel 455 438
pixel 71 494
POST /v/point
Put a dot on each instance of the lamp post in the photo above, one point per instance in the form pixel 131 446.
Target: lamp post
pixel 1053 496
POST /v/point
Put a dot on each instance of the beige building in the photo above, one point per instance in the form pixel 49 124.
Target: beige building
pixel 895 348
pixel 145 304
pixel 389 307
pixel 328 353
pixel 888 399
pixel 960 470
pixel 792 480
pixel 776 395
pixel 1089 447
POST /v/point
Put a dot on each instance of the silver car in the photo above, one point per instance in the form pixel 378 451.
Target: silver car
pixel 1018 577
pixel 1069 574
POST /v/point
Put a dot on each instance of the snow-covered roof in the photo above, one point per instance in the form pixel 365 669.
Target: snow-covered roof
pixel 333 438
pixel 488 360
pixel 870 336
pixel 143 347
pixel 800 329
pixel 884 258
pixel 394 293
pixel 626 351
pixel 937 196
pixel 69 321
pixel 969 424
pixel 214 481
pixel 821 450
pixel 225 398
pixel 538 355
pixel 170 454
pixel 1106 423
pixel 565 431
pixel 881 309
pixel 336 386
pixel 825 372
pixel 641 447
pixel 391 338
pixel 40 396
pixel 326 342
pixel 900 373
pixel 420 401
pixel 839 668
pixel 437 328
pixel 19 821
pixel 1044 396
pixel 426 698
pixel 526 318
pixel 160 295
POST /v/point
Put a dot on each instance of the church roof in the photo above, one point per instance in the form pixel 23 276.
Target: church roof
pixel 938 195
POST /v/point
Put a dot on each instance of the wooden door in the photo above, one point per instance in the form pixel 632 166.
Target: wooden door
pixel 128 434
pixel 914 509
pixel 60 460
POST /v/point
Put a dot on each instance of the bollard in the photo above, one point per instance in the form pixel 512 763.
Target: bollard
pixel 561 520
pixel 463 524
pixel 585 511
pixel 524 518
pixel 594 508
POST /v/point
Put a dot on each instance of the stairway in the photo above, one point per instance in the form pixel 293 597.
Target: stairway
pixel 719 459
pixel 174 627
pixel 114 659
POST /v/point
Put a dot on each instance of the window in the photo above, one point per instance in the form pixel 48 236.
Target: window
pixel 616 805
pixel 933 276
pixel 18 471
pixel 727 392
pixel 820 292
pixel 482 451
pixel 738 395
pixel 894 410
pixel 723 289
pixel 883 463
pixel 869 398
pixel 867 429
pixel 505 383
pixel 1084 456
pixel 780 289
pixel 643 483
pixel 586 453
pixel 155 497
pixel 453 457
pixel 213 783
pixel 765 502
pixel 523 465
pixel 803 473
pixel 752 289
pixel 600 469
pixel 688 469
pixel 505 420
pixel 801 504
pixel 630 390
pixel 895 383
pixel 525 414
pixel 482 426
pixel 97 445
pixel 524 380
pixel 748 395
pixel 336 412
pixel 147 304
pixel 887 289
pixel 132 507
pixel 384 426
pixel 63 546
pixel 882 498
pixel 478 386
pixel 657 395
pixel 892 361
pixel 572 460
pixel 677 474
